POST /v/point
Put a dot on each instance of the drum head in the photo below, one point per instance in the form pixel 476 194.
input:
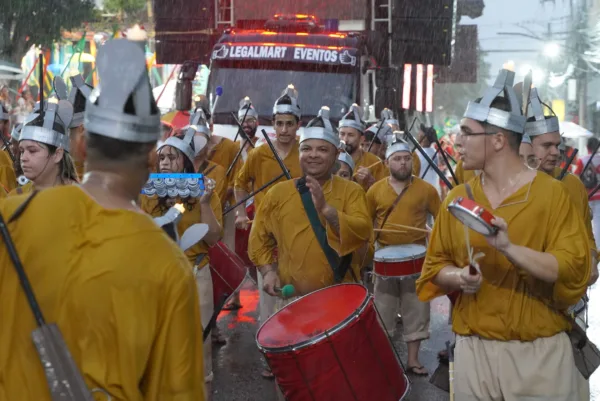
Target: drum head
pixel 311 315
pixel 471 220
pixel 400 253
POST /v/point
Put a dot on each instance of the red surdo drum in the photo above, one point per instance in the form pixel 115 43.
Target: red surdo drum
pixel 228 272
pixel 399 261
pixel 330 346
pixel 473 215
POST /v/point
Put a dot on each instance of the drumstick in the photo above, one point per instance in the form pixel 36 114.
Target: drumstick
pixel 472 269
pixel 423 230
pixel 368 167
pixel 389 231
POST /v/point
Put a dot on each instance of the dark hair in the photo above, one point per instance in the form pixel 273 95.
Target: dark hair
pixel 429 132
pixel 369 137
pixel 513 138
pixel 115 149
pixel 592 143
pixel 286 99
pixel 66 167
pixel 188 165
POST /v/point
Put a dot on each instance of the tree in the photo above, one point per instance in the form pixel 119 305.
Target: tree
pixel 24 23
pixel 129 11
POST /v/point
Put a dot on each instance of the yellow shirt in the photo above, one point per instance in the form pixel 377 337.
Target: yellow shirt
pixel 368 160
pixel 261 167
pixel 223 154
pixel 8 179
pixel 463 175
pixel 540 216
pixel 25 189
pixel 419 200
pixel 217 173
pixel 281 222
pixel 121 292
pixel 579 196
pixel 416 168
pixel 191 216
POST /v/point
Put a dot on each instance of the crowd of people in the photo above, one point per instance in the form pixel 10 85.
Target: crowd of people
pixel 329 204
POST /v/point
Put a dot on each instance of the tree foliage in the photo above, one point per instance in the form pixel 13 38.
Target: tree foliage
pixel 24 23
pixel 129 11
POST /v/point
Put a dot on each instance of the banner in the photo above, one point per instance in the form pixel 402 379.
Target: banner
pixel 285 53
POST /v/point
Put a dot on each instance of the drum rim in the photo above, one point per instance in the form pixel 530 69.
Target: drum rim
pixel 419 256
pixel 405 259
pixel 455 206
pixel 314 340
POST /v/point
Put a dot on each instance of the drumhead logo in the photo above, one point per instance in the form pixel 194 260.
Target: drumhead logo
pixel 243 52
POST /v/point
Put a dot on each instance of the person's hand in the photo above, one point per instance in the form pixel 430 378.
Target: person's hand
pixel 470 283
pixel 209 187
pixel 242 221
pixel 500 240
pixel 363 175
pixel 316 192
pixel 594 273
pixel 270 282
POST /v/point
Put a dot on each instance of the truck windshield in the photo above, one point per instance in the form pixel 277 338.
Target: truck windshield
pixel 335 87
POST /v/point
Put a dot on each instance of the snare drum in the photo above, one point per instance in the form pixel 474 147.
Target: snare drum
pixel 228 272
pixel 330 346
pixel 473 216
pixel 401 261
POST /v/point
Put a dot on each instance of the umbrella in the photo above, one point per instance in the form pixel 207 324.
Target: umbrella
pixel 167 100
pixel 177 119
pixel 569 129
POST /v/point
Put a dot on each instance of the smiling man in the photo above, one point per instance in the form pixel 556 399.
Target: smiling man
pixel 510 345
pixel 282 219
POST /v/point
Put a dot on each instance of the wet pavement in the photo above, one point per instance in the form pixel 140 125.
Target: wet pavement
pixel 238 364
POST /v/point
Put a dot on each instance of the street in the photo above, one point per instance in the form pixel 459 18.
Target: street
pixel 238 364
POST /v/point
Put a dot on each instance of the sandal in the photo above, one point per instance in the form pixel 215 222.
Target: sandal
pixel 413 370
pixel 232 306
pixel 267 374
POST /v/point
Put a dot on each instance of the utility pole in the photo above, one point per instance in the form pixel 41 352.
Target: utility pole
pixel 582 81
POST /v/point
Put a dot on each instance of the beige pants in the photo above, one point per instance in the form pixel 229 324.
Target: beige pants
pixel 205 294
pixel 415 314
pixel 543 369
pixel 266 305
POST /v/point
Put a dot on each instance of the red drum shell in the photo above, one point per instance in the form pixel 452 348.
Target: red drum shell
pixel 473 215
pixel 228 271
pixel 330 346
pixel 399 260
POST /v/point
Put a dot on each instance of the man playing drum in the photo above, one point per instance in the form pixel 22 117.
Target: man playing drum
pixel 399 205
pixel 510 345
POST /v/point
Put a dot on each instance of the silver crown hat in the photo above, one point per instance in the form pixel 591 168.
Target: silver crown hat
pixel 293 108
pixel 198 124
pixel 513 120
pixel 399 146
pixel 4 116
pixel 526 139
pixel 346 158
pixel 353 119
pixel 15 134
pixel 388 117
pixel 80 92
pixel 383 132
pixel 60 88
pixel 246 105
pixel 51 126
pixel 122 105
pixel 184 145
pixel 541 124
pixel 320 128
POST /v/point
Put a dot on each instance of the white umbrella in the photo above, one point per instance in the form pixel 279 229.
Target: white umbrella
pixel 571 130
pixel 167 100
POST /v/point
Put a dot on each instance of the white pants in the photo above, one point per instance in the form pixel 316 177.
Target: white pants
pixel 205 294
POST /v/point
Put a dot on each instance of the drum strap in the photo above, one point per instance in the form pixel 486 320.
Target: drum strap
pixel 469 192
pixel 391 208
pixel 339 265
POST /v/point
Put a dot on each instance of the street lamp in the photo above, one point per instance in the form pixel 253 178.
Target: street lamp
pixel 552 50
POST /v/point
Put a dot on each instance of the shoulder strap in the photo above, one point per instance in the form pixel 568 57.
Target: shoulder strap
pixel 339 266
pixel 391 209
pixel 469 191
